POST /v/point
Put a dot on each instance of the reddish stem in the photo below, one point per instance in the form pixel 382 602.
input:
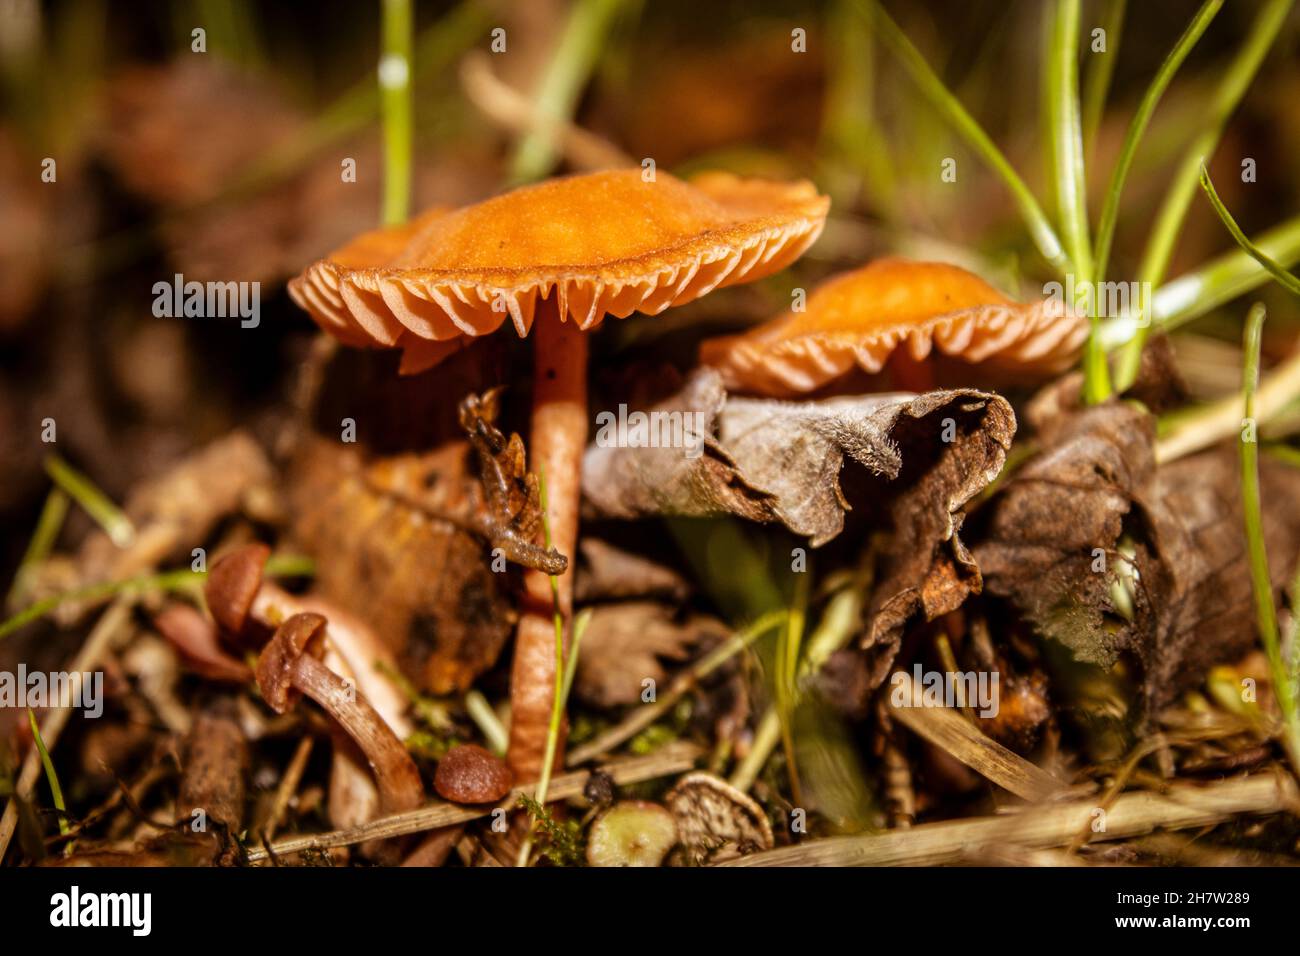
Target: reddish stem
pixel 559 436
pixel 395 773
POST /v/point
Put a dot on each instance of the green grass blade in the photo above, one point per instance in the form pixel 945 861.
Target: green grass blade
pixel 1232 87
pixel 52 778
pixel 1216 283
pixel 290 566
pixel 396 29
pixel 1102 68
pixel 94 502
pixel 1138 125
pixel 436 50
pixel 48 526
pixel 1066 138
pixel 570 68
pixel 1261 582
pixel 1040 228
pixel 1288 281
pixel 1066 135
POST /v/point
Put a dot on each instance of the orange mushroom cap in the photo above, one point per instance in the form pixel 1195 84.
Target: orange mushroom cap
pixel 860 318
pixel 601 244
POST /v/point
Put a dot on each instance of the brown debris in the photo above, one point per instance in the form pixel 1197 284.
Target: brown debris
pixel 1206 606
pixel 626 644
pixel 513 517
pixel 715 821
pixel 774 461
pixel 394 543
pixel 212 789
pixel 179 508
pixel 1054 539
pixel 1063 511
pixel 606 572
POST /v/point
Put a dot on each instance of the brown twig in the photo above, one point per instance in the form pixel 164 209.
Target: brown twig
pixel 288 787
pixel 949 731
pixel 674 758
pixel 1047 825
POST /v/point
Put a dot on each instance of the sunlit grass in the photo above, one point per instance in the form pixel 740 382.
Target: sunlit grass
pixel 1261 582
pixel 1229 90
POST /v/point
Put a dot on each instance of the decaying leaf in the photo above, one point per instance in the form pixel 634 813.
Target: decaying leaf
pixel 625 644
pixel 606 572
pixel 925 456
pixel 395 544
pixel 715 821
pixel 774 461
pixel 1206 603
pixel 1061 516
pixel 1092 514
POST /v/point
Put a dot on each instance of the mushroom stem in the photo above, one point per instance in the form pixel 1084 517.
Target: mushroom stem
pixel 395 773
pixel 559 436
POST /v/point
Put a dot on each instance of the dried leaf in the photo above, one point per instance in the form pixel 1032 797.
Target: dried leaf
pixel 925 457
pixel 1206 602
pixel 774 461
pixel 1062 514
pixel 1055 537
pixel 395 544
pixel 625 644
pixel 606 572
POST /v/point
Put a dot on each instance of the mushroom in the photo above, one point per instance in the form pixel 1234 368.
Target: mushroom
pixel 249 608
pixel 195 639
pixel 562 255
pixel 290 666
pixel 470 774
pixel 715 821
pixel 896 311
pixel 631 833
pixel 232 585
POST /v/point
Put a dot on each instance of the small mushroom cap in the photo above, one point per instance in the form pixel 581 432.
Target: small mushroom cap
pixel 299 635
pixel 470 774
pixel 233 583
pixel 195 638
pixel 631 833
pixel 600 244
pixel 861 317
pixel 715 821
